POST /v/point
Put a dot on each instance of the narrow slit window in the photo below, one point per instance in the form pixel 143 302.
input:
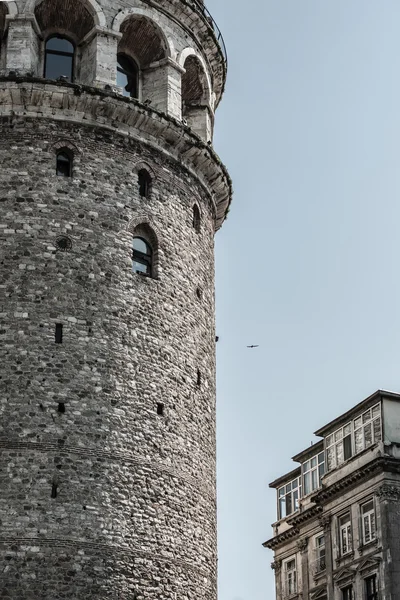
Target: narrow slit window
pixel 196 218
pixel 61 407
pixel 198 377
pixel 160 409
pixel 54 490
pixel 144 182
pixel 63 164
pixel 59 333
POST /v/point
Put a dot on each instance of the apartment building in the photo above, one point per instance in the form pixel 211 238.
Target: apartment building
pixel 337 533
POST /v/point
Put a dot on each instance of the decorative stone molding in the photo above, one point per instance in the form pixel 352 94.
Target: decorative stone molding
pixel 365 547
pixel 35 97
pixel 302 545
pixel 325 522
pixel 61 144
pixel 388 492
pixel 276 566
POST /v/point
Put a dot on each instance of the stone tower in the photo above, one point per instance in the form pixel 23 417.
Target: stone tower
pixel 110 195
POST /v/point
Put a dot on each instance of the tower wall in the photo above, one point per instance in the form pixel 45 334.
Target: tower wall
pixel 101 496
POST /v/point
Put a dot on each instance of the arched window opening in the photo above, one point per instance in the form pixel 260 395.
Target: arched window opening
pixel 128 76
pixel 144 182
pixel 142 257
pixel 196 218
pixel 59 58
pixel 64 164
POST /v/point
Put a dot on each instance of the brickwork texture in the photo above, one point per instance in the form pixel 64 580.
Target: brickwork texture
pixel 107 439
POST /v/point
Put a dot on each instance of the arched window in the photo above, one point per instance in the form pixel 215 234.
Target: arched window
pixel 144 182
pixel 64 164
pixel 196 218
pixel 142 257
pixel 128 76
pixel 59 58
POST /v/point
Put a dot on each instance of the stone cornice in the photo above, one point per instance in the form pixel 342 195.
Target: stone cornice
pixel 301 517
pixel 349 481
pixel 281 538
pixel 38 98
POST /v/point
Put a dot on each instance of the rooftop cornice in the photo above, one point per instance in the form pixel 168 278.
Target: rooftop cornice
pixel 303 516
pixel 30 97
pixel 355 410
pixel 281 538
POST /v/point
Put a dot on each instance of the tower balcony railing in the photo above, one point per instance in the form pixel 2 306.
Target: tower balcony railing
pixel 200 8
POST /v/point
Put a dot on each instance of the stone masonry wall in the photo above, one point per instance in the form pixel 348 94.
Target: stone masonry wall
pixel 134 512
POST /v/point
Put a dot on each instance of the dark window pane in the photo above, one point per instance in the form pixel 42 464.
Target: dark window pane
pixel 127 75
pixel 144 181
pixel 347 447
pixel 60 44
pixel 63 164
pixel 58 65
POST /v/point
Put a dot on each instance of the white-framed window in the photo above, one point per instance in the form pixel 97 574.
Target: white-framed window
pixel 367 428
pixel 313 470
pixel 345 534
pixel 320 559
pixel 290 577
pixel 289 497
pixel 368 522
pixel 338 446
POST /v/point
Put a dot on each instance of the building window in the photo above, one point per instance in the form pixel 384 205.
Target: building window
pixel 345 535
pixel 196 218
pixel 59 58
pixel 368 525
pixel 288 498
pixel 347 593
pixel 128 76
pixel 338 447
pixel 144 182
pixel 142 256
pixel 371 588
pixel 320 562
pixel 290 577
pixel 63 164
pixel 367 428
pixel 313 470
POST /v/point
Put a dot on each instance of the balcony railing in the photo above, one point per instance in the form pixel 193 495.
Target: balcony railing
pixel 199 7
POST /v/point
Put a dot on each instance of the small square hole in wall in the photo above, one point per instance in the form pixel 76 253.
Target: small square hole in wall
pixel 160 409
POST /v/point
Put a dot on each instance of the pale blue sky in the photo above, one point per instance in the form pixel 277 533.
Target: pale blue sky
pixel 308 260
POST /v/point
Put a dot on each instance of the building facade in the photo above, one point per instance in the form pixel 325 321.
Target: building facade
pixel 110 196
pixel 337 536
